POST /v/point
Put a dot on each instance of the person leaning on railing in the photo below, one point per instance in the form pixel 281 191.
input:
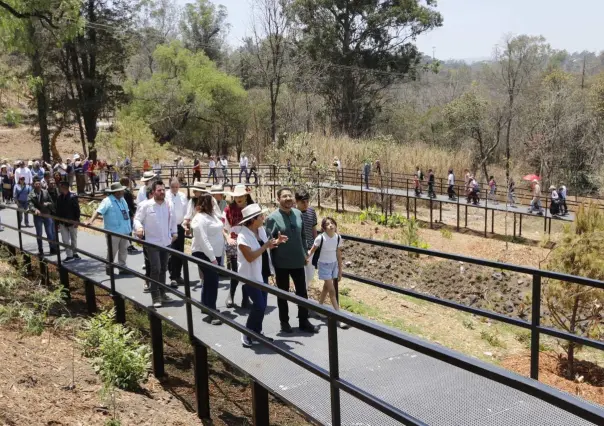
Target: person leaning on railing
pixel 116 218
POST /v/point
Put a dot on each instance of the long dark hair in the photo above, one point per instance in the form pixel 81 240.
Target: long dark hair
pixel 205 204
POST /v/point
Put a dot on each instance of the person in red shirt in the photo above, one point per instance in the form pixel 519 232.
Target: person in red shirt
pixel 146 165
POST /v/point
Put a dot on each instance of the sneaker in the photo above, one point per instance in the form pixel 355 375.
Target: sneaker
pixel 215 321
pixel 286 328
pixel 308 327
pixel 157 303
pixel 173 284
pixel 229 302
pixel 270 339
pixel 343 325
pixel 146 288
pixel 166 299
pixel 246 341
pixel 76 256
pixel 68 259
pixel 178 280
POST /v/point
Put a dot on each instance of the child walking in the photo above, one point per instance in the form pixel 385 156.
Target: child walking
pixel 493 190
pixel 326 254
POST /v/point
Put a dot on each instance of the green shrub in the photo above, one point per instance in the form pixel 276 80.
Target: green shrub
pixel 492 338
pixel 118 356
pixel 12 118
pixel 445 233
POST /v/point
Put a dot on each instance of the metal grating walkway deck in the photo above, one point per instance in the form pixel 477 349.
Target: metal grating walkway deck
pixel 429 390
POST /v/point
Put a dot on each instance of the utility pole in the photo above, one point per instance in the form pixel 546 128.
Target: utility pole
pixel 583 74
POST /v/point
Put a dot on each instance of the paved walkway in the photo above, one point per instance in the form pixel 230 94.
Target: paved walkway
pixel 430 390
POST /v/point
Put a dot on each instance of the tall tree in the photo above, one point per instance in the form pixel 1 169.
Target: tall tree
pixel 270 28
pixel 24 24
pixel 204 28
pixel 368 44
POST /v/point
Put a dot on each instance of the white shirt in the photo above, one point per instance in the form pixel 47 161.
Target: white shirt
pixel 157 168
pixel 224 162
pixel 212 164
pixel 451 179
pixel 142 195
pixel 25 172
pixel 180 203
pixel 243 163
pixel 190 210
pixel 338 165
pixel 563 191
pixel 555 195
pixel 247 238
pixel 330 245
pixel 207 235
pixel 157 220
pixel 181 163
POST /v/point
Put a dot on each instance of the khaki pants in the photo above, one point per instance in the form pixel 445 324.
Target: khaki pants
pixel 69 235
pixel 120 247
pixel 309 272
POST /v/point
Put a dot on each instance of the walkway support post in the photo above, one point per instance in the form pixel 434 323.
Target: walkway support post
pixel 260 410
pixel 520 227
pixel 493 221
pixel 535 321
pixel 458 214
pixel 64 280
pixel 157 345
pixel 431 213
pixel 90 297
pixel 334 370
pixel 118 300
pixel 44 271
pixel 202 380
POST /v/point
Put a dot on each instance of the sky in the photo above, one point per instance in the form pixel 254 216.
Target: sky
pixel 472 28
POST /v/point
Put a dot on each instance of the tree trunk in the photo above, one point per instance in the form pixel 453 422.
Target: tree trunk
pixel 41 101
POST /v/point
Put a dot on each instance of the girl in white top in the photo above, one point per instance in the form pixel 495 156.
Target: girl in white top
pixel 329 262
pixel 208 245
pixel 254 263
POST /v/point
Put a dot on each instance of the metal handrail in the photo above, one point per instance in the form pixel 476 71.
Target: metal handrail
pixel 566 402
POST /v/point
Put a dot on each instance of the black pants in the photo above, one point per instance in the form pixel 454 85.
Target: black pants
pixel 196 175
pixel 299 278
pixel 175 262
pixel 451 192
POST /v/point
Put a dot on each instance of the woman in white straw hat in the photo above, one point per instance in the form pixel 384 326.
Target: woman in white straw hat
pixel 198 188
pixel 147 181
pixel 233 215
pixel 254 263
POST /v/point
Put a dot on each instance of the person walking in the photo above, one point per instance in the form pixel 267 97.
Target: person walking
pixel 24 172
pixel 554 207
pixel 129 198
pixel 155 220
pixel 254 262
pixel 224 164
pixel 196 170
pixel 366 173
pixel 233 215
pixel 180 203
pixel 431 180
pixel 21 196
pixel 536 201
pixel 326 255
pixel 212 171
pixel 243 163
pixel 492 190
pixel 451 184
pixel 420 178
pixel 562 194
pixel 512 193
pixel 337 164
pixel 7 184
pixel 68 208
pixel 309 217
pixel 146 181
pixel 208 245
pixel 39 202
pixel 289 259
pixel 116 218
pixel 78 170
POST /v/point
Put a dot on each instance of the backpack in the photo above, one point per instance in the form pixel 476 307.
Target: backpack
pixel 317 254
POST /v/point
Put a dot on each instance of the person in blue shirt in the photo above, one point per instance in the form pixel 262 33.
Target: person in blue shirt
pixel 116 218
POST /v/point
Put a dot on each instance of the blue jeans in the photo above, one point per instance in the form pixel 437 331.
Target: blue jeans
pixel 23 205
pixel 209 291
pixel 256 317
pixel 243 171
pixel 49 227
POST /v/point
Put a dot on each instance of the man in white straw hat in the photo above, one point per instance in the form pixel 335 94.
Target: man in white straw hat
pixel 155 220
pixel 116 218
pixel 147 180
pixel 180 203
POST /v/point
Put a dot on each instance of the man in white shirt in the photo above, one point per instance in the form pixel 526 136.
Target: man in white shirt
pixel 180 203
pixel 25 172
pixel 155 220
pixel 212 172
pixel 243 162
pixel 146 180
pixel 451 183
pixel 224 164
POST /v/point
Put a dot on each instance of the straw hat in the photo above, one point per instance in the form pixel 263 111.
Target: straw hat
pixel 250 212
pixel 147 176
pixel 199 186
pixel 76 156
pixel 217 189
pixel 240 191
pixel 552 188
pixel 115 187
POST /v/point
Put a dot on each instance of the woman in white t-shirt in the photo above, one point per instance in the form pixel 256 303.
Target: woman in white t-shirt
pixel 329 261
pixel 212 172
pixel 208 244
pixel 254 263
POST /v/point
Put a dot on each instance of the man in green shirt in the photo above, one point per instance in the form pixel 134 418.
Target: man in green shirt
pixel 289 259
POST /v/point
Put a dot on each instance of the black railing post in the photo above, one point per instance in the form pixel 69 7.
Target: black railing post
pixel 430 212
pixel 202 380
pixel 545 217
pixel 19 232
pixel 493 221
pixel 44 271
pixel 260 411
pixel 90 297
pixel 157 345
pixel 458 212
pixel 334 370
pixel 318 189
pixel 535 322
pixel 520 227
pixel 185 274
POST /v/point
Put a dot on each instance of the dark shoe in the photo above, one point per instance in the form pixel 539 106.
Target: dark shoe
pixel 207 318
pixel 67 259
pixel 146 288
pixel 229 302
pixel 286 328
pixel 166 299
pixel 270 339
pixel 76 256
pixel 178 280
pixel 40 253
pixel 173 284
pixel 245 304
pixel 157 303
pixel 309 328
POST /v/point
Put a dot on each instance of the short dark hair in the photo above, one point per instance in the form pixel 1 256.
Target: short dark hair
pixel 36 179
pixel 324 222
pixel 125 181
pixel 302 194
pixel 282 190
pixel 156 184
pixel 205 204
pixel 64 183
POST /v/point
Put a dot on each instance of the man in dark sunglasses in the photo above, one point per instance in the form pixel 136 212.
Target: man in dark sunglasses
pixel 289 259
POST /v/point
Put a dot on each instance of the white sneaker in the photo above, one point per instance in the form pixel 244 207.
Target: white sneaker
pixel 246 341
